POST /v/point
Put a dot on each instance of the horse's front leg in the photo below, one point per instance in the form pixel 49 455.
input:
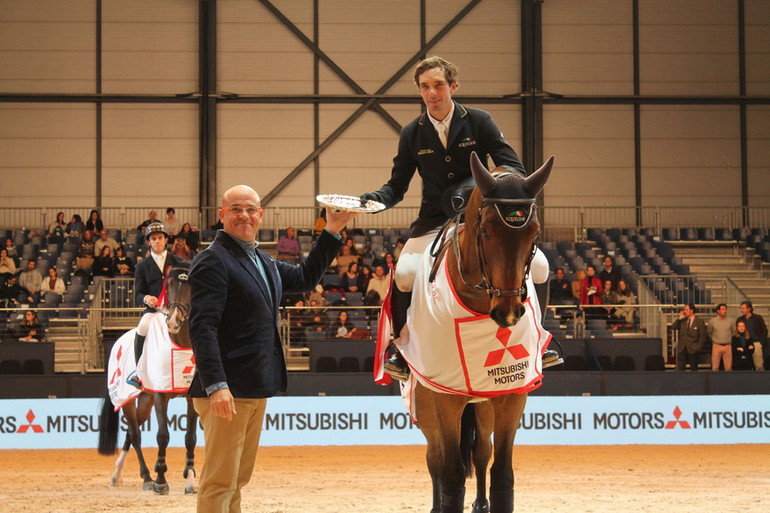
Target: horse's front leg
pixel 160 486
pixel 482 453
pixel 190 440
pixel 508 409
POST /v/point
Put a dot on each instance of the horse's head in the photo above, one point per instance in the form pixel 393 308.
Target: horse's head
pixel 501 227
pixel 178 291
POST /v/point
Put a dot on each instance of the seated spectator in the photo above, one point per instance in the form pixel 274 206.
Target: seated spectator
pixel 608 298
pixel 350 278
pixel 591 294
pixel 122 266
pixel 94 223
pixel 86 250
pixel 53 283
pixel 31 280
pixel 75 227
pixel 377 289
pixel 103 264
pixel 105 240
pixel 153 216
pixel 190 236
pixel 399 246
pixel 624 296
pixel 11 249
pixel 10 292
pixel 580 275
pixel 743 347
pixel 181 250
pixel 611 273
pixel 317 295
pixel 344 259
pixel 342 327
pixel 560 290
pixel 56 230
pixel 30 329
pixel 7 265
pixel 288 246
pixel 171 224
pixel 320 222
pixel 314 317
pixel 364 275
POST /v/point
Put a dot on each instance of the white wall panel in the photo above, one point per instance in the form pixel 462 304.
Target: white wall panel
pixel 47 46
pixel 150 155
pixel 758 121
pixel 48 155
pixel 594 149
pixel 588 47
pixel 757 46
pixel 688 47
pixel 149 47
pixel 690 156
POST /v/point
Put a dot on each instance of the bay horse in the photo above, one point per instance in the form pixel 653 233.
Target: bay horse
pixel 488 266
pixel 137 411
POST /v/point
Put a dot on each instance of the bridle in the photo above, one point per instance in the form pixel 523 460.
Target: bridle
pixel 180 280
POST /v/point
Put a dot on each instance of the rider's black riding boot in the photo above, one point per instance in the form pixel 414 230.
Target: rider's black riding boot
pixel 132 378
pixel 550 357
pixel 395 365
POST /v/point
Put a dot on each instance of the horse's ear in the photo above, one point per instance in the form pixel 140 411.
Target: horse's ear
pixel 536 181
pixel 484 179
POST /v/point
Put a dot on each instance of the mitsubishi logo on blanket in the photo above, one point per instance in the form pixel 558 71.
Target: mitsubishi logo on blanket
pixel 117 373
pixel 190 368
pixel 496 356
pixel 36 428
pixel 671 424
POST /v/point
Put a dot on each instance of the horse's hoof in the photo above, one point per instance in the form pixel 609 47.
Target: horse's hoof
pixel 115 482
pixel 480 506
pixel 160 489
pixel 190 490
pixel 147 486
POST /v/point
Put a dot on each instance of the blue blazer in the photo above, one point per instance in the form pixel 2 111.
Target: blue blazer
pixel 234 314
pixel 148 280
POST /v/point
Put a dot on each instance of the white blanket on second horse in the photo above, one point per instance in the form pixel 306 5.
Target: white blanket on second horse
pixel 163 367
pixel 452 349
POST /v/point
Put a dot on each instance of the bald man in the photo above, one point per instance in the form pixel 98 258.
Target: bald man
pixel 236 291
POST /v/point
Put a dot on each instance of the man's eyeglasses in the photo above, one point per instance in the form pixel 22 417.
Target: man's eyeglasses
pixel 251 211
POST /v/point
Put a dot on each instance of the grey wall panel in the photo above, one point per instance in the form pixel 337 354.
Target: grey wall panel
pixel 594 149
pixel 758 118
pixel 757 46
pixel 48 154
pixel 588 47
pixel 150 47
pixel 688 47
pixel 690 156
pixel 47 46
pixel 149 155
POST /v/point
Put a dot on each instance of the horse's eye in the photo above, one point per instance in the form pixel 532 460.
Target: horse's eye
pixel 484 232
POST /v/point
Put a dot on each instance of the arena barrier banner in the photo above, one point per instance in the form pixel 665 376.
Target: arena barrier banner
pixel 74 423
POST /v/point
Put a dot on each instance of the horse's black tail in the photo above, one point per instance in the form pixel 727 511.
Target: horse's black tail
pixel 467 437
pixel 108 428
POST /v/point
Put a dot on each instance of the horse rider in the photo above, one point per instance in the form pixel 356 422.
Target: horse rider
pixel 438 144
pixel 149 279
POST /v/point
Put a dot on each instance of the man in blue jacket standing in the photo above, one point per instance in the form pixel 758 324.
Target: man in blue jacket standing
pixel 236 291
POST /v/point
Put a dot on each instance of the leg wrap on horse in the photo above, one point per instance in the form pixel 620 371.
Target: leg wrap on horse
pixel 501 501
pixel 452 500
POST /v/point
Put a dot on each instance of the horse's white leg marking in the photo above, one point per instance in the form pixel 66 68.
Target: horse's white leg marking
pixel 117 476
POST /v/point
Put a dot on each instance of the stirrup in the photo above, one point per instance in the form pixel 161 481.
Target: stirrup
pixel 395 365
pixel 134 380
pixel 551 358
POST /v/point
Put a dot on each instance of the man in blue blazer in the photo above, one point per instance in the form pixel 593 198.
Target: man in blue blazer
pixel 236 291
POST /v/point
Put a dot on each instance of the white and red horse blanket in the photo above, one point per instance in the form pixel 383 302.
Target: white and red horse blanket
pixel 455 350
pixel 163 367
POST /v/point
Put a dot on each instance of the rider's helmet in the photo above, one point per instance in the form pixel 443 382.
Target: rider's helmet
pixel 155 227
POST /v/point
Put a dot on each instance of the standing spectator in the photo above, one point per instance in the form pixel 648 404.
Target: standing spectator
pixel 31 280
pixel 692 336
pixel 7 265
pixel 75 227
pixel 625 297
pixel 10 292
pixel 12 253
pixel 190 236
pixel 53 283
pixel 560 290
pixel 86 251
pixel 721 330
pixel 757 328
pixel 105 240
pixel 342 327
pixel 378 287
pixel 743 347
pixel 171 224
pixel 350 278
pixel 611 273
pixel 288 246
pixel 180 249
pixel 30 329
pixel 94 223
pixel 122 265
pixel 103 264
pixel 580 275
pixel 591 294
pixel 56 230
pixel 609 299
pixel 236 340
